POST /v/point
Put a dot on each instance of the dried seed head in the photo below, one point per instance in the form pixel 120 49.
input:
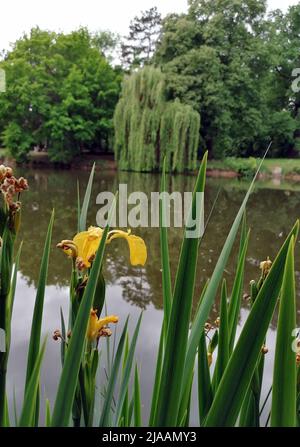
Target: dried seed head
pixel 80 265
pixel 265 266
pixel 207 327
pixel 56 335
pixel 2 172
pixel 217 322
pixel 9 172
pixel 105 332
pixel 10 185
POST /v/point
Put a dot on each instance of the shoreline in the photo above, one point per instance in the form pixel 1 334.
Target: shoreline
pixel 106 162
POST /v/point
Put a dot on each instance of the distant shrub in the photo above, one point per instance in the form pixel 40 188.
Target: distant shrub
pixel 245 167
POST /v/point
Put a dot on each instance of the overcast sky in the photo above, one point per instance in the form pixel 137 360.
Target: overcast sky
pixel 17 16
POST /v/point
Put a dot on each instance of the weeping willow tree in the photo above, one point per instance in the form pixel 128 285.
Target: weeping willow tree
pixel 148 128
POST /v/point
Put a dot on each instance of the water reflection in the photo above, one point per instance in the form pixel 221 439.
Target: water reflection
pixel 271 213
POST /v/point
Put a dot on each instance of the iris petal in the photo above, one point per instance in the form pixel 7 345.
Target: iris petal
pixel 87 243
pixel 137 246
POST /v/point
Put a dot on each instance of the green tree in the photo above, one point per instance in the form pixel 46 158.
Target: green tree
pixel 139 46
pixel 215 60
pixel 284 89
pixel 148 128
pixel 107 43
pixel 61 94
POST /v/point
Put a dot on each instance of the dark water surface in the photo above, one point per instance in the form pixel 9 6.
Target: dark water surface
pixel 273 209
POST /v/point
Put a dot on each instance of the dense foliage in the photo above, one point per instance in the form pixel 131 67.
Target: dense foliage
pixel 228 60
pixel 137 49
pixel 61 94
pixel 148 128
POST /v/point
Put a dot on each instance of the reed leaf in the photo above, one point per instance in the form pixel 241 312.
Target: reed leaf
pixel 211 291
pixel 36 326
pixel 127 370
pixel 137 399
pixel 157 378
pixel 47 413
pixel 238 374
pixel 237 290
pixel 12 292
pixel 86 201
pixel 178 328
pixel 164 251
pixel 106 410
pixel 69 376
pixel 223 343
pixel 29 403
pixel 205 392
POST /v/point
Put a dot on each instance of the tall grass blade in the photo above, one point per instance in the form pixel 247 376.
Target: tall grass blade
pixel 78 207
pixel 47 413
pixel 36 326
pixel 137 399
pixel 15 407
pixel 64 335
pixel 157 378
pixel 6 414
pixel 86 201
pixel 12 292
pixel 237 290
pixel 223 343
pixel 29 404
pixel 106 410
pixel 214 283
pixel 164 250
pixel 189 381
pixel 127 370
pixel 177 334
pixel 205 391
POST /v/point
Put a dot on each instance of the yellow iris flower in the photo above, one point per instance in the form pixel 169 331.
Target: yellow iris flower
pixel 84 245
pixel 97 324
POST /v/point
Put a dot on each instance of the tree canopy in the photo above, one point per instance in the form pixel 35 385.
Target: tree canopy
pixel 137 49
pixel 61 94
pixel 233 64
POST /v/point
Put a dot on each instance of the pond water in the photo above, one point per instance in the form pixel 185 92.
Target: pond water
pixel 273 209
